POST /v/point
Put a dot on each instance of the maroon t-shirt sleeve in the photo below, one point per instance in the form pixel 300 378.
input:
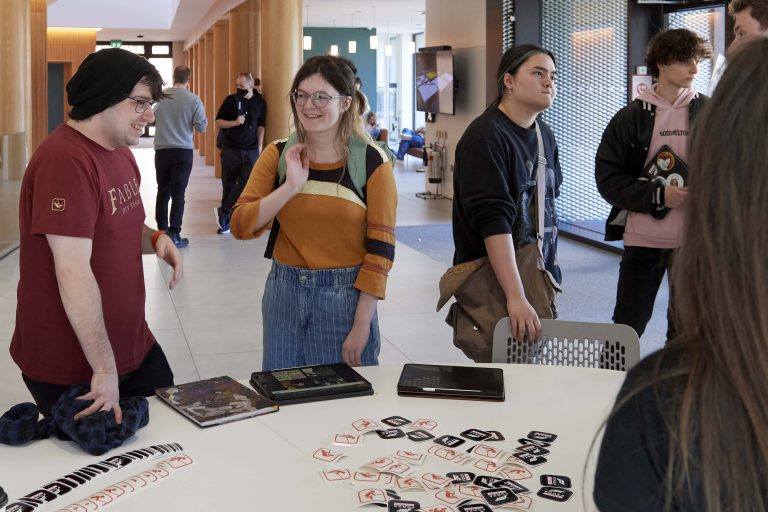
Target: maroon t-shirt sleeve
pixel 65 203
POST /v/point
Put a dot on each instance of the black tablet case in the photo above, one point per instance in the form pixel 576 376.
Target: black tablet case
pixel 312 383
pixel 443 381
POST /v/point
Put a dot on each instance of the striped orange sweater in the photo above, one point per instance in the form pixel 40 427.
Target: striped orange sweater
pixel 328 225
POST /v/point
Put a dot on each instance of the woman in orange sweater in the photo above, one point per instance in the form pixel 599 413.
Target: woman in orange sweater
pixel 331 192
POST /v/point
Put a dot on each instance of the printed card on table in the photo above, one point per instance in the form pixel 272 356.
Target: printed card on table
pixel 326 455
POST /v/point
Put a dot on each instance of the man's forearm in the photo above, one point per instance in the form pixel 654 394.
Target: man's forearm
pixel 81 298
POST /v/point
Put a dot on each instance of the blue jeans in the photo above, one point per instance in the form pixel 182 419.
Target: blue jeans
pixel 417 141
pixel 307 315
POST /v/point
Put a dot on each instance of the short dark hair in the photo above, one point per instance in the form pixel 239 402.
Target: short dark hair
pixel 181 74
pixel 675 45
pixel 759 10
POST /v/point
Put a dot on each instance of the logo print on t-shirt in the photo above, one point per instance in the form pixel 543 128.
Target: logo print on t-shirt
pixel 58 203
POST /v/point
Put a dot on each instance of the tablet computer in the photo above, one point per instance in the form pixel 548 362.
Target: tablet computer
pixel 442 381
pixel 311 383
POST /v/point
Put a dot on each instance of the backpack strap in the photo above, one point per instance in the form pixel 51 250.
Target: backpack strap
pixel 356 165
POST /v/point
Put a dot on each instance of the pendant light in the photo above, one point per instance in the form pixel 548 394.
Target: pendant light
pixel 352 48
pixel 412 43
pixel 307 39
pixel 374 37
pixel 334 47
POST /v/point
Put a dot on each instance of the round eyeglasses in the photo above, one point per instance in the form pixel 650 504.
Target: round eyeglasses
pixel 141 104
pixel 319 99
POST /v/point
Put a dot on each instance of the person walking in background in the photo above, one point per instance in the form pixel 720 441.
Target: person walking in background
pixel 648 214
pixel 410 139
pixel 242 118
pixel 331 192
pixel 494 210
pixel 689 430
pixel 81 294
pixel 175 119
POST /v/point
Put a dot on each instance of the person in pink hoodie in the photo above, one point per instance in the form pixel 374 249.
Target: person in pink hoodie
pixel 640 170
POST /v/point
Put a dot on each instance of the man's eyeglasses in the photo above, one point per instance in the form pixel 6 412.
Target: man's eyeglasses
pixel 319 99
pixel 142 105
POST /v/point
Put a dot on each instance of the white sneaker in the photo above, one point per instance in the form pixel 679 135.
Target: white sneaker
pixel 405 136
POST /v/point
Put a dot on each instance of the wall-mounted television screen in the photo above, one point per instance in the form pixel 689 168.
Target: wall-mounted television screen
pixel 435 82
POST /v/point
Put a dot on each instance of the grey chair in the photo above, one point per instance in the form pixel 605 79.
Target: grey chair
pixel 564 343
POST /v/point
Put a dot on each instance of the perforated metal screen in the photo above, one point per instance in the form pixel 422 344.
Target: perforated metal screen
pixel 508 26
pixel 589 40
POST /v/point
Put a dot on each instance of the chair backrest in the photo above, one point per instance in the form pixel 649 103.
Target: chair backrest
pixel 563 343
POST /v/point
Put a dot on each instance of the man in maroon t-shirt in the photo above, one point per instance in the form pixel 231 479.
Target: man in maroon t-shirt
pixel 80 313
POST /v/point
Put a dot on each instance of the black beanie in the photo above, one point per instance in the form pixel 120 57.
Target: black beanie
pixel 105 78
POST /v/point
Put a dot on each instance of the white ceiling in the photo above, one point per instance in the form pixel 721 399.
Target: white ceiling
pixel 177 20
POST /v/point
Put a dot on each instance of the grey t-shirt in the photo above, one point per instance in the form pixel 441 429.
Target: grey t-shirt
pixel 176 117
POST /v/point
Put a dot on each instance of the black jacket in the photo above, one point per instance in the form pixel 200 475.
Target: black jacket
pixel 244 136
pixel 620 160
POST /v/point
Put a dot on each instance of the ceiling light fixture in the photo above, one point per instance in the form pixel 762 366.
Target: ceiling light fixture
pixel 307 39
pixel 374 37
pixel 334 47
pixel 352 43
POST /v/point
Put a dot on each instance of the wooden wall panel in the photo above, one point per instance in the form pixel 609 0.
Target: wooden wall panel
pixel 14 55
pixel 38 128
pixel 201 89
pixel 70 46
pixel 220 79
pixel 209 100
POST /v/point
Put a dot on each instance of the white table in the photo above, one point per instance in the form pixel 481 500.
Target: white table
pixel 264 462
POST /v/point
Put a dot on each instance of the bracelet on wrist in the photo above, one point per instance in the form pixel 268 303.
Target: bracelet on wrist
pixel 157 235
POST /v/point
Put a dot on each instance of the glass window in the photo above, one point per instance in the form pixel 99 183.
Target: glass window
pixel 161 49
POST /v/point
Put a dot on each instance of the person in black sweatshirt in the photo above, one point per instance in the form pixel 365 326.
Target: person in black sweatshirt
pixel 494 210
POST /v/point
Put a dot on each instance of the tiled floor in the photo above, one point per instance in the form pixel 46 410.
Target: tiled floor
pixel 210 324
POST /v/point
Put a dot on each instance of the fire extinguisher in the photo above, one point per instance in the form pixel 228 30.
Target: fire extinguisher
pixel 437 159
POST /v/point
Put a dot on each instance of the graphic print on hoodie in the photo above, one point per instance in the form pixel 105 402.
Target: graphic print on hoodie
pixel 671 126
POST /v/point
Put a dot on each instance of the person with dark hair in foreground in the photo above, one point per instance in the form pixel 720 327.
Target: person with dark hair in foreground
pixel 80 313
pixel 689 430
pixel 331 192
pixel 494 210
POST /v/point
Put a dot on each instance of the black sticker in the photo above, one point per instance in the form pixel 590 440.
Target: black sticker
pixel 555 481
pixel 396 421
pixel 499 496
pixel 555 494
pixel 495 436
pixel 391 433
pixel 476 434
pixel 512 485
pixel 20 507
pixel 59 487
pixel 460 477
pixel 542 436
pixel 486 481
pixel 392 494
pixel 532 449
pixel 402 505
pixel 40 496
pixel 525 440
pixel 419 435
pixel 531 460
pixel 450 441
pixel 475 507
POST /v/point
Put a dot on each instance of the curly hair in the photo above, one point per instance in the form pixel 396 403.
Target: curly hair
pixel 759 10
pixel 675 45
